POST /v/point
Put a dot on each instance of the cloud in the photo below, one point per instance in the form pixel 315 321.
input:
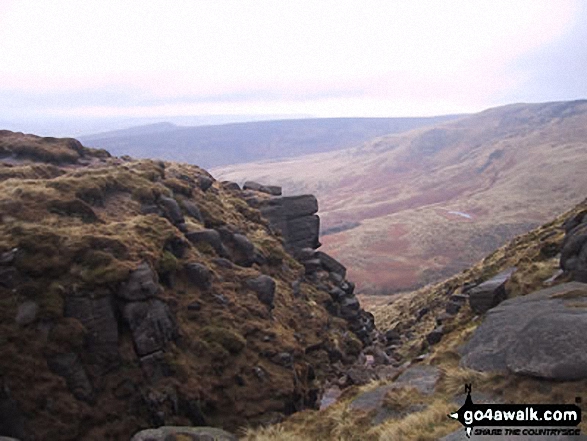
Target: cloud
pixel 325 58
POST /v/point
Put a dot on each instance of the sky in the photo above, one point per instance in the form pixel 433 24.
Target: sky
pixel 160 59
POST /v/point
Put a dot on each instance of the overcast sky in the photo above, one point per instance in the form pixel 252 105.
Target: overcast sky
pixel 317 57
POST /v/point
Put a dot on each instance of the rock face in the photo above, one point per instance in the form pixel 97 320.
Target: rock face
pixel 151 324
pixel 142 284
pixel 540 334
pixel 295 217
pixel 490 293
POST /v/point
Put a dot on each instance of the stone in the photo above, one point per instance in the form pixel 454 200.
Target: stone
pixel 349 307
pixel 222 262
pixel 540 334
pixel 27 313
pixel 169 433
pixel 151 324
pixel 245 248
pixel 459 298
pixel 141 284
pixel 422 312
pixel 573 258
pixel 420 376
pixel 204 182
pixel 7 258
pixel 294 217
pixel 264 286
pixel 228 185
pixel 312 266
pixel 330 264
pixel 193 211
pixel 329 397
pixel 269 189
pixel 199 275
pixel 209 236
pixel 435 335
pixel 490 293
pixel 348 287
pixel 172 210
pixel 337 294
pixel 453 308
pixel 305 254
pixel 69 366
pixel 97 316
pixel 392 336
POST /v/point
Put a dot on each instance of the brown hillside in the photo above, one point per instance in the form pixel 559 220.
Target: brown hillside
pixel 119 310
pixel 408 209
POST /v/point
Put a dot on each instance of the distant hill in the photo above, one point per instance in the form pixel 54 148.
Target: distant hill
pixel 407 209
pixel 212 146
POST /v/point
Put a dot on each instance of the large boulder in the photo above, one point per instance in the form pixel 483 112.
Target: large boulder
pixel 330 264
pixel 264 287
pixel 490 293
pixel 295 218
pixel 541 334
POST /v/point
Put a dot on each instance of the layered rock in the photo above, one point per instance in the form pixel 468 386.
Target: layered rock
pixel 295 217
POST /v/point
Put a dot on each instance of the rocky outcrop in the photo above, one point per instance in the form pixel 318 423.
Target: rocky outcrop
pixel 295 217
pixel 540 334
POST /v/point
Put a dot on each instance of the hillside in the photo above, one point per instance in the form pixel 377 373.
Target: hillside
pixel 412 208
pixel 211 146
pixel 526 346
pixel 141 293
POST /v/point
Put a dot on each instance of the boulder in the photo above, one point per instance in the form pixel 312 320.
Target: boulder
pixel 167 433
pixel 199 275
pixel 574 252
pixel 269 189
pixel 27 313
pixel 490 293
pixel 435 335
pixel 264 286
pixel 229 185
pixel 7 257
pixel 540 334
pixel 141 284
pixel 245 250
pixel 193 210
pixel 151 324
pixel 210 237
pixel 330 264
pixel 204 182
pixel 294 217
pixel 172 210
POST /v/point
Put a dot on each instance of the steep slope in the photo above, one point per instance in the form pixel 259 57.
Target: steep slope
pixel 407 209
pixel 211 146
pixel 433 339
pixel 143 293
